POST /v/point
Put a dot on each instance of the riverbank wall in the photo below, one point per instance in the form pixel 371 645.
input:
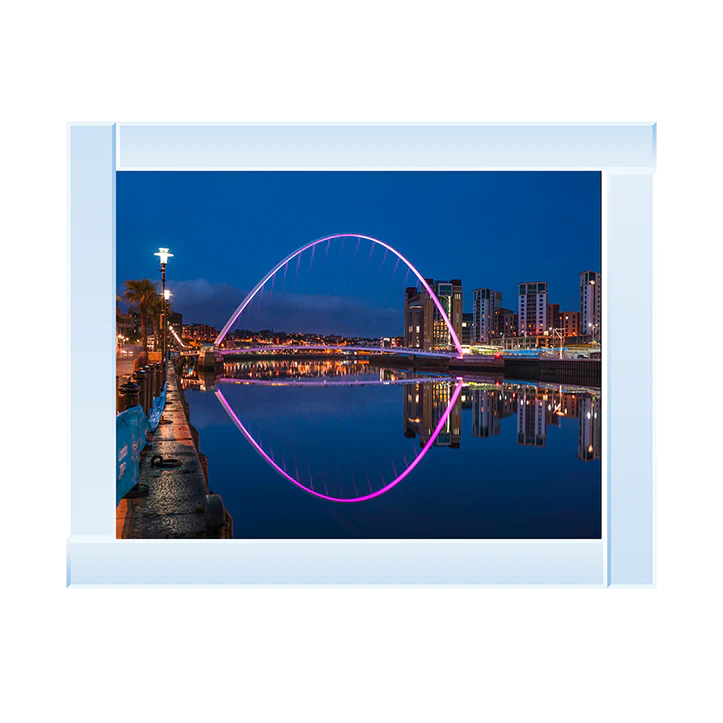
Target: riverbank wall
pixel 583 372
pixel 179 503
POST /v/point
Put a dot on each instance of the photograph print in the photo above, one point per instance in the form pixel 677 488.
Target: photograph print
pixel 358 355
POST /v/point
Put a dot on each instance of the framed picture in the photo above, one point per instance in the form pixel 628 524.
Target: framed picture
pixel 361 354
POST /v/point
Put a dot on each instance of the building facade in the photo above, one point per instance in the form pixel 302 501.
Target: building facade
pixel 532 308
pixel 553 315
pixel 467 322
pixel 124 324
pixel 200 332
pixel 424 327
pixel 591 304
pixel 484 305
pixel 417 318
pixel 506 323
pixel 568 322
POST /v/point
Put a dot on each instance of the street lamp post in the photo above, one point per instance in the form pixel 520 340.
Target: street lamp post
pixel 166 298
pixel 558 332
pixel 164 255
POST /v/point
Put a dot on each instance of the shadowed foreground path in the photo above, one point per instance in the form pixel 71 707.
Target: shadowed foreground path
pixel 174 507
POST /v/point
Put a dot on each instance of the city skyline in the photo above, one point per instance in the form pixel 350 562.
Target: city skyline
pixel 539 226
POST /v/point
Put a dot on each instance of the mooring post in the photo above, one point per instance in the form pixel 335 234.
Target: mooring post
pixel 139 377
pixel 154 383
pixel 128 396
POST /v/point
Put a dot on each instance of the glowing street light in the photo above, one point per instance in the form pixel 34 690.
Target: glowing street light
pixel 164 254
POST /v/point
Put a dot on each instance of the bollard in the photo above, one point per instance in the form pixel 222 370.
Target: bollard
pixel 149 387
pixel 152 385
pixel 151 377
pixel 140 378
pixel 149 390
pixel 159 383
pixel 129 394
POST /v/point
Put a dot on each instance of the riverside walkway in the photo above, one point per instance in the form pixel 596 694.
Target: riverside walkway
pixel 174 507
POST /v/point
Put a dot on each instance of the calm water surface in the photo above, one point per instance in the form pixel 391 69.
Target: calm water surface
pixel 342 449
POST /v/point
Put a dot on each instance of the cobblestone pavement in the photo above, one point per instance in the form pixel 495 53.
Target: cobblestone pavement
pixel 174 506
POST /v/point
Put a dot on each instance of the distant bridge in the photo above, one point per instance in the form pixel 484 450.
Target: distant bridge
pixel 322 347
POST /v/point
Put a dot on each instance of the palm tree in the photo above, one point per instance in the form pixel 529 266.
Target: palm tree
pixel 143 295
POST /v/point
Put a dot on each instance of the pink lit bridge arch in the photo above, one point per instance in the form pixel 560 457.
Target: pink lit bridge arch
pixel 459 382
pixel 301 249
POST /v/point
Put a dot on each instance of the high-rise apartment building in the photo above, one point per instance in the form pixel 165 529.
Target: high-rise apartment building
pixel 484 304
pixel 532 308
pixel 591 304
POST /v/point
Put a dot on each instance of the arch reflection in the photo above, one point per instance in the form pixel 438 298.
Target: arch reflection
pixel 428 443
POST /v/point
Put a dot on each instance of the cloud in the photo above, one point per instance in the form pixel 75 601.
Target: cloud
pixel 202 301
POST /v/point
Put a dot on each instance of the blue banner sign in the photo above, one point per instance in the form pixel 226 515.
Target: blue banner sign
pixel 131 427
pixel 157 409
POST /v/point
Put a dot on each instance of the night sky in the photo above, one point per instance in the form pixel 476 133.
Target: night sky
pixel 227 229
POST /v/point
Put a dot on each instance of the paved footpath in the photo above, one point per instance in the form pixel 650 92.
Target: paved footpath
pixel 174 506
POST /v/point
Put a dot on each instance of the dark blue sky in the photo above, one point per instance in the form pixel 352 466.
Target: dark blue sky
pixel 227 229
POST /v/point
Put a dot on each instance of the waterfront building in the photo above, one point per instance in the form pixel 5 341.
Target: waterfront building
pixel 391 342
pixel 424 327
pixel 532 308
pixel 417 316
pixel 124 324
pixel 467 321
pixel 449 294
pixel 200 332
pixel 591 304
pixel 484 303
pixel 553 314
pixel 505 322
pixel 568 322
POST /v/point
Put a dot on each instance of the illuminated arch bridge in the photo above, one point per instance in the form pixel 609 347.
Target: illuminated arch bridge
pixel 340 237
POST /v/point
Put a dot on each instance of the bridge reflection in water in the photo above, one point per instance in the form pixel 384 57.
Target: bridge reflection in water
pixel 477 458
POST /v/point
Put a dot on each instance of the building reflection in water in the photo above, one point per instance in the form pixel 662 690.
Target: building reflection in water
pixel 537 407
pixel 424 405
pixel 590 430
pixel 297 369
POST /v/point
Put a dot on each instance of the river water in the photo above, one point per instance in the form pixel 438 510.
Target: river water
pixel 343 449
